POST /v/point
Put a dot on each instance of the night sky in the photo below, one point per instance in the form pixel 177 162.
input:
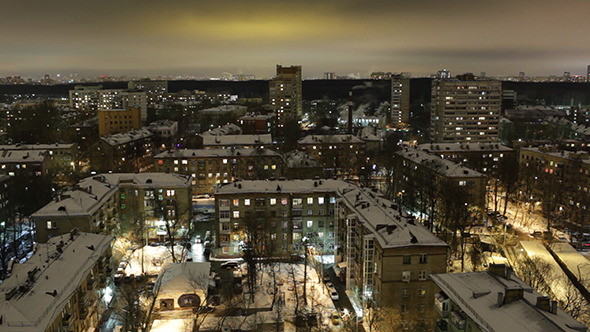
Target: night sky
pixel 199 38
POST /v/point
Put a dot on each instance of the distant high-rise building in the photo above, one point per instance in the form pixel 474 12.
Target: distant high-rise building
pixel 465 111
pixel 588 74
pixel 329 75
pixel 482 74
pixel 400 99
pixel 285 93
pixel 521 76
pixel 443 74
pixel 567 76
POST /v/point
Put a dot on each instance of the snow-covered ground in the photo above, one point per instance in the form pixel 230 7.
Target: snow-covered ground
pixel 557 280
pixel 153 258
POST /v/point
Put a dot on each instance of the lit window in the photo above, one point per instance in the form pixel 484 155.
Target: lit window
pixel 320 200
pixel 185 162
pixel 236 202
pixel 247 201
pixel 283 201
pixel 273 201
pixel 236 214
pixel 309 223
pixel 225 161
pixel 176 162
pixel 310 200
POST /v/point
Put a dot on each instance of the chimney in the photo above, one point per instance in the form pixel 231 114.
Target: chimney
pixel 513 294
pixel 544 303
pixel 497 270
pixel 500 300
pixel 350 112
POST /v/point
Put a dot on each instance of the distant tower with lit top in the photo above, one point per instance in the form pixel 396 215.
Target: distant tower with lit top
pixel 285 94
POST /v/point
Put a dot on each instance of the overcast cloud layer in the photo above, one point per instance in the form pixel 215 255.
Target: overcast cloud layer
pixel 199 38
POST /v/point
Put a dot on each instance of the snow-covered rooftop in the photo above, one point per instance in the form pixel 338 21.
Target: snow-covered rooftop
pixel 229 140
pixel 224 108
pixel 36 146
pixel 92 192
pixel 56 278
pixel 390 227
pixel 335 139
pixel 297 159
pixel 254 116
pixel 476 293
pixel 128 136
pixel 22 156
pixel 163 124
pixel 369 133
pixel 228 129
pixel 463 147
pixel 438 164
pixel 562 154
pixel 211 153
pixel 280 186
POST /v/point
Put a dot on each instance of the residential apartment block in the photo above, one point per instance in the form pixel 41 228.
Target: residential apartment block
pixel 400 99
pixel 337 153
pixel 496 300
pixel 103 203
pixel 114 121
pixel 290 210
pixel 465 111
pixel 285 94
pixel 414 163
pixel 131 151
pixel 482 157
pixel 209 167
pixel 59 287
pixel 24 162
pixel 386 255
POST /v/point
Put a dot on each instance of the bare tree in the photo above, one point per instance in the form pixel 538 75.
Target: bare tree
pixel 575 304
pixel 535 271
pixel 133 308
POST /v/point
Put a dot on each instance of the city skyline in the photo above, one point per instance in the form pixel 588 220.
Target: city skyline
pixel 346 37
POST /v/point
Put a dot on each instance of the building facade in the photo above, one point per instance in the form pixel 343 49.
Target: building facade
pixel 337 153
pixel 111 202
pixel 285 94
pixel 131 151
pixel 465 111
pixel 114 121
pixel 400 99
pixel 209 167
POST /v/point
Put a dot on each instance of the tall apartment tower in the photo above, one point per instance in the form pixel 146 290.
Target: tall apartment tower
pixel 285 93
pixel 465 111
pixel 588 74
pixel 400 99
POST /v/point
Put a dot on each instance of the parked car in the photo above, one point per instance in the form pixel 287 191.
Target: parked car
pixel 334 296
